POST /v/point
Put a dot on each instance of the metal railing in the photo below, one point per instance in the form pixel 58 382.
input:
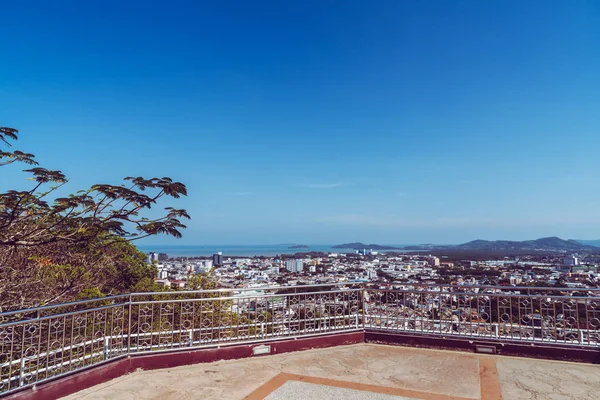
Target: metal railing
pixel 42 343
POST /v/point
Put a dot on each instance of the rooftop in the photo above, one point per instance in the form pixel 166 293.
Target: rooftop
pixel 361 371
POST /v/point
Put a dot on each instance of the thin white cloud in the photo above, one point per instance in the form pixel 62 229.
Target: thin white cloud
pixel 323 185
pixel 400 194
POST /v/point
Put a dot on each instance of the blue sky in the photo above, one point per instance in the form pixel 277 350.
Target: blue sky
pixel 320 121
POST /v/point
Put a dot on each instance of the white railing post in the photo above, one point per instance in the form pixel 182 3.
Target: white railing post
pixel 365 299
pixel 106 351
pixel 191 337
pixel 129 325
pixel 22 374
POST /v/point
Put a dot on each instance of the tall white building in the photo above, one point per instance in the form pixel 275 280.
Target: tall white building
pixel 294 265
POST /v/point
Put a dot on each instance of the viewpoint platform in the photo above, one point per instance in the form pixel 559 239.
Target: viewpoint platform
pixel 357 372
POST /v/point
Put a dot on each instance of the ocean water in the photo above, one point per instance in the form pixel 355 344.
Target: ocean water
pixel 237 250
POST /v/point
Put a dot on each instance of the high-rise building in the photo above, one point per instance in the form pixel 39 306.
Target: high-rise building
pixel 218 259
pixel 290 265
pixel 434 261
pixel 208 264
pixel 294 265
pixel 570 260
pixel 152 257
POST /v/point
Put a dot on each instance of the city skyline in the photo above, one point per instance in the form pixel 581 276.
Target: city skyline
pixel 321 122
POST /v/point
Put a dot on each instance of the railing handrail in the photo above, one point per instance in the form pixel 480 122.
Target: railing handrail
pixel 247 289
pixel 57 305
pixel 585 289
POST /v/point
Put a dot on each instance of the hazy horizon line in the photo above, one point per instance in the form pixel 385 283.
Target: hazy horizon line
pixel 337 244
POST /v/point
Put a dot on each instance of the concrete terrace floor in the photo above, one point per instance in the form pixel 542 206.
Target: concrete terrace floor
pixel 362 371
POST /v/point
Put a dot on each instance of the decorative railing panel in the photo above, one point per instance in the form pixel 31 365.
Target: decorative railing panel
pixel 55 340
pixel 548 315
pixel 46 342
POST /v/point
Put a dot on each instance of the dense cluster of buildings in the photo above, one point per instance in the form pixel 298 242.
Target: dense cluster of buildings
pixel 567 270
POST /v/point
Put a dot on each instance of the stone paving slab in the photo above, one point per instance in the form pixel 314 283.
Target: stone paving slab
pixel 447 373
pixel 294 390
pixel 522 378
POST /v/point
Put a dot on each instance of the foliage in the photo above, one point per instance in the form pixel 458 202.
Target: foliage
pixel 56 248
pixel 27 218
pixel 202 281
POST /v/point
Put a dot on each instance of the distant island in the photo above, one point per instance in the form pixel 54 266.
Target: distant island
pixel 552 244
pixel 298 246
pixel 360 246
pixel 548 244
